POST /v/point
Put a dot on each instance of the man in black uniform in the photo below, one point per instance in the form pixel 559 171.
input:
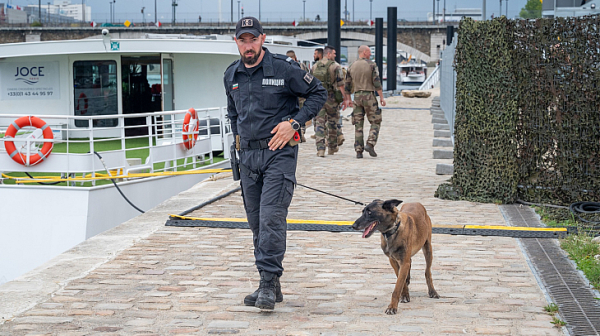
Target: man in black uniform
pixel 262 105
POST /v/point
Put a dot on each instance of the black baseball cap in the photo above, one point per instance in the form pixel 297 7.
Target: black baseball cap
pixel 248 24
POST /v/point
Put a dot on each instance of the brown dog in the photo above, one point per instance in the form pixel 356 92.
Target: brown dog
pixel 403 233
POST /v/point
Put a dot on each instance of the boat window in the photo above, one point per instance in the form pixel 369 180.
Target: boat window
pixel 95 91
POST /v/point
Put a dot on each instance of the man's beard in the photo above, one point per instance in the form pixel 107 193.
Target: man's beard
pixel 250 60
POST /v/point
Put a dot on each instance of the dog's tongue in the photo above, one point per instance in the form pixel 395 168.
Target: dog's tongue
pixel 369 229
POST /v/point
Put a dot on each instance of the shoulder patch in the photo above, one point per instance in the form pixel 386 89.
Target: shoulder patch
pixel 308 78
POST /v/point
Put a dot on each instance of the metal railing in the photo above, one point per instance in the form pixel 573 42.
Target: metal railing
pixel 432 80
pixel 448 84
pixel 128 143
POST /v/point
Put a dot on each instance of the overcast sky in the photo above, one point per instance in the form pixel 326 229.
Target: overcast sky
pixel 275 10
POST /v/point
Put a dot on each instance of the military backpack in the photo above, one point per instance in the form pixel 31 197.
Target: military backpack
pixel 321 72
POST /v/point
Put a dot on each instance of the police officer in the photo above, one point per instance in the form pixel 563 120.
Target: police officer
pixel 363 80
pixel 262 104
pixel 326 123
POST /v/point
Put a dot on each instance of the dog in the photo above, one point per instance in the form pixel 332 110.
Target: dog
pixel 403 233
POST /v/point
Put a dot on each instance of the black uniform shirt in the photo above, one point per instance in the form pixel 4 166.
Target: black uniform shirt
pixel 259 99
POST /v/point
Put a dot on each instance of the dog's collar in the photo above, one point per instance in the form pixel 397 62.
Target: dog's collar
pixel 388 234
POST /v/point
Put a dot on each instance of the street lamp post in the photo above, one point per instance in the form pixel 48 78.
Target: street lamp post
pixel 83 20
pixel 231 11
pixel 258 10
pixel 114 10
pixel 371 10
pixel 110 16
pixel 155 14
pixel 500 8
pixel 238 10
pixel 48 13
pixel 506 1
pixel 174 4
pixel 303 10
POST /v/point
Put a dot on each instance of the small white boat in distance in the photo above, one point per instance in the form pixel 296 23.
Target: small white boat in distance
pixel 412 72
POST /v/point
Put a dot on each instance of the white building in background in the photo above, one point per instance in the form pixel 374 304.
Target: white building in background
pixel 456 15
pixel 66 8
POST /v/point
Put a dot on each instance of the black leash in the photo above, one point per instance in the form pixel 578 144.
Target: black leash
pixel 326 193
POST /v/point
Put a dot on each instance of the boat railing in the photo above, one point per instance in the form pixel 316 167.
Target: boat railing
pixel 432 80
pixel 128 143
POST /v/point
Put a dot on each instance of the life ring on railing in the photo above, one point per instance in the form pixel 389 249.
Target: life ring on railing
pixel 190 129
pixel 85 103
pixel 24 158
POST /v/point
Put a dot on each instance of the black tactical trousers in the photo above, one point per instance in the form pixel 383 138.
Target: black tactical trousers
pixel 266 201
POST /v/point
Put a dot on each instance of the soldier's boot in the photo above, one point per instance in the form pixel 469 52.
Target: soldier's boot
pixel 371 150
pixel 321 153
pixel 250 300
pixel 266 291
pixel 302 138
pixel 359 155
pixel 341 139
pixel 331 151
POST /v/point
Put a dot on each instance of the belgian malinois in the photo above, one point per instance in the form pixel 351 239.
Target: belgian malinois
pixel 403 233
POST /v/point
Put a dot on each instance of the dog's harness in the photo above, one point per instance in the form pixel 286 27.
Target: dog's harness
pixel 388 234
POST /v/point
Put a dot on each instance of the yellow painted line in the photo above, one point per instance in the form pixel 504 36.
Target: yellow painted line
pixel 243 220
pixel 106 177
pixel 308 221
pixel 512 228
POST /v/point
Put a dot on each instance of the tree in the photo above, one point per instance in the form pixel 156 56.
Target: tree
pixel 532 10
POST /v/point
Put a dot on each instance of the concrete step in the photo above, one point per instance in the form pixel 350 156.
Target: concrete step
pixel 439 121
pixel 442 143
pixel 441 134
pixel 443 154
pixel 444 169
pixel 441 126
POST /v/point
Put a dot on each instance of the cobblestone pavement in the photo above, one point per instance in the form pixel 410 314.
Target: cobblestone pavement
pixel 191 281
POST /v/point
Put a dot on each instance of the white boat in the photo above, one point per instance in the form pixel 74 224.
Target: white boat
pixel 128 100
pixel 411 72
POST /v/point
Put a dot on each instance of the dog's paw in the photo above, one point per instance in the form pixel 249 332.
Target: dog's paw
pixel 433 294
pixel 391 310
pixel 405 299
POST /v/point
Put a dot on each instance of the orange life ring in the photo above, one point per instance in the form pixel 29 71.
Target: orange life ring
pixel 31 159
pixel 85 103
pixel 190 129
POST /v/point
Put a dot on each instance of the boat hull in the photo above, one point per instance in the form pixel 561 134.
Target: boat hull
pixel 52 220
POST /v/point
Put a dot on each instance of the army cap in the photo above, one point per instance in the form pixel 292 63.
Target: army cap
pixel 248 24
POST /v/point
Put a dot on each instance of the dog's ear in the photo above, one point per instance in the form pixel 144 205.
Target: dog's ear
pixel 389 205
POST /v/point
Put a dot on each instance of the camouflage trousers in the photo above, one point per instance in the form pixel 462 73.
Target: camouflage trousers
pixel 365 103
pixel 326 124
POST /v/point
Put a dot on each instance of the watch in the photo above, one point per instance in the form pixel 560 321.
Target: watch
pixel 295 124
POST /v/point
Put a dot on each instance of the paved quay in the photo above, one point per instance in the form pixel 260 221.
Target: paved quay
pixel 143 278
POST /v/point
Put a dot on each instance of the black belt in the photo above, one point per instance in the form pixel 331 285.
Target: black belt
pixel 255 144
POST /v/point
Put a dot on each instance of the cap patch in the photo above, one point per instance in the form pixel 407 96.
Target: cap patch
pixel 247 23
pixel 308 78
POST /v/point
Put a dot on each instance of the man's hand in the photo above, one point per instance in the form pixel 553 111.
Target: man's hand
pixel 382 101
pixel 283 133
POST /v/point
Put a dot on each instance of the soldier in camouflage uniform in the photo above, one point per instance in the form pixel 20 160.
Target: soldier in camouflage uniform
pixel 292 55
pixel 362 80
pixel 326 122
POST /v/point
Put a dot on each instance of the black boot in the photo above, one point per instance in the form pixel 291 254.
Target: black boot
pixel 250 299
pixel 266 291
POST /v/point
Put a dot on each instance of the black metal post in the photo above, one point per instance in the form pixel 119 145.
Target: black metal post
pixel 379 45
pixel 449 34
pixel 392 33
pixel 333 26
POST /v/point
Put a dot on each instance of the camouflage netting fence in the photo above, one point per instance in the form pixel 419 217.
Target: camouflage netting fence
pixel 527 111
